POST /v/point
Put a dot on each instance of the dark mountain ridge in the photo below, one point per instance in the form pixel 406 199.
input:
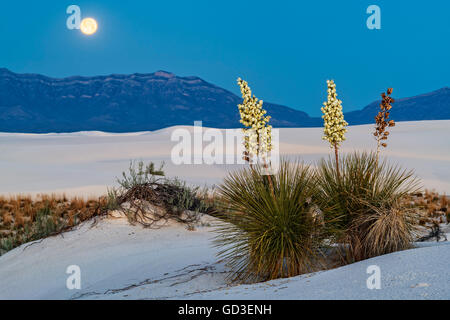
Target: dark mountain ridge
pixel 139 102
pixel 429 106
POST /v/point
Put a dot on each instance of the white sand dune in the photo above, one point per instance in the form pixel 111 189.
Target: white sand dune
pixel 119 261
pixel 113 255
pixel 86 163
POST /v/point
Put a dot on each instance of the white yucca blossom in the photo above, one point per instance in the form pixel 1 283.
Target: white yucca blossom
pixel 257 132
pixel 333 118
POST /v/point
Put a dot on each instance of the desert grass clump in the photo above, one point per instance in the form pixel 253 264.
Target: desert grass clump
pixel 23 219
pixel 364 205
pixel 267 236
pixel 333 119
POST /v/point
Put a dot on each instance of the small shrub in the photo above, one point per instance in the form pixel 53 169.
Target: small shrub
pixel 143 187
pixel 265 235
pixel 140 174
pixel 187 198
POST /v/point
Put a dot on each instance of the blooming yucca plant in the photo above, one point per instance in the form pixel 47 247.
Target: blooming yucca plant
pixel 333 119
pixel 257 131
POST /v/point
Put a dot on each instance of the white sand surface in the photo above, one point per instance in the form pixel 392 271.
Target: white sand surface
pixel 120 261
pixel 86 163
pixel 113 255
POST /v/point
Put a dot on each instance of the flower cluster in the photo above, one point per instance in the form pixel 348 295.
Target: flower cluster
pixel 382 119
pixel 333 118
pixel 257 132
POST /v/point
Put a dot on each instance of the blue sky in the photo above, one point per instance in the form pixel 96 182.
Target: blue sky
pixel 285 49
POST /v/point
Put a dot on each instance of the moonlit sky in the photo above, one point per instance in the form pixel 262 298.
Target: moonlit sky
pixel 285 49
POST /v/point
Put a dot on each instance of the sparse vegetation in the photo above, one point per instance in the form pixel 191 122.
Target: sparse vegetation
pixel 139 174
pixel 150 199
pixel 24 219
pixel 434 233
pixel 145 195
pixel 433 209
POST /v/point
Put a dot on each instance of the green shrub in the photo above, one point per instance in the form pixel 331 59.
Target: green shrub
pixel 140 174
pixel 185 197
pixel 363 205
pixel 265 235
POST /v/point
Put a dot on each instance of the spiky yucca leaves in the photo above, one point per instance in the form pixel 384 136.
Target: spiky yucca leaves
pixel 364 205
pixel 266 236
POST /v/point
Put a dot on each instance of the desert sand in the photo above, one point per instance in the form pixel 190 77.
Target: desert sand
pixel 120 261
pixel 86 163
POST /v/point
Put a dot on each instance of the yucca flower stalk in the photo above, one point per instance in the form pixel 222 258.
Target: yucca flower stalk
pixel 257 131
pixel 382 121
pixel 333 119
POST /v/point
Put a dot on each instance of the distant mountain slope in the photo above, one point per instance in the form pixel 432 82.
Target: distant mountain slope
pixel 121 103
pixel 138 102
pixel 430 106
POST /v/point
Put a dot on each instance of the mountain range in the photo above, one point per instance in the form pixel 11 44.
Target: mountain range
pixel 138 102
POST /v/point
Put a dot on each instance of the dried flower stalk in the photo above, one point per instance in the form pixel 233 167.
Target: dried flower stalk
pixel 383 122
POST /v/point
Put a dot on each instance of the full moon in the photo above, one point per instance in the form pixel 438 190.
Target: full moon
pixel 88 26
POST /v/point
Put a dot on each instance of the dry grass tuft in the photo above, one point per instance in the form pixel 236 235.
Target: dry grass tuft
pixel 385 230
pixel 23 219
